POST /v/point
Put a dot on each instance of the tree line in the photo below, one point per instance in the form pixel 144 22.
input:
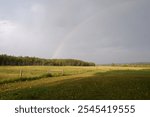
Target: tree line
pixel 24 61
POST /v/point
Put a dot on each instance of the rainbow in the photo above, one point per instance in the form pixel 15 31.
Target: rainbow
pixel 76 28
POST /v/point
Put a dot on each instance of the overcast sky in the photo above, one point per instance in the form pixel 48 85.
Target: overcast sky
pixel 102 31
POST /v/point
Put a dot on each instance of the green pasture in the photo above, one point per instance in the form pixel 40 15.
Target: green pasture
pixel 100 82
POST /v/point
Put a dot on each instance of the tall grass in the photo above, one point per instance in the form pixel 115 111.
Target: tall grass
pixel 47 75
pixel 11 74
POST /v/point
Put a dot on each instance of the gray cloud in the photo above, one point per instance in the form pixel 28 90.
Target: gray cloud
pixel 103 31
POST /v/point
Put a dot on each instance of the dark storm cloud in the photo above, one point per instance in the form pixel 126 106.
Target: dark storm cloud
pixel 103 31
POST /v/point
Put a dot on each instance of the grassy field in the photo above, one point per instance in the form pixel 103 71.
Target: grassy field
pixel 100 82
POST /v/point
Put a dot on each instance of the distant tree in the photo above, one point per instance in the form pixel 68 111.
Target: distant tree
pixel 20 61
pixel 113 64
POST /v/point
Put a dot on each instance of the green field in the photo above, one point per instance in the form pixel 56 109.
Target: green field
pixel 100 82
